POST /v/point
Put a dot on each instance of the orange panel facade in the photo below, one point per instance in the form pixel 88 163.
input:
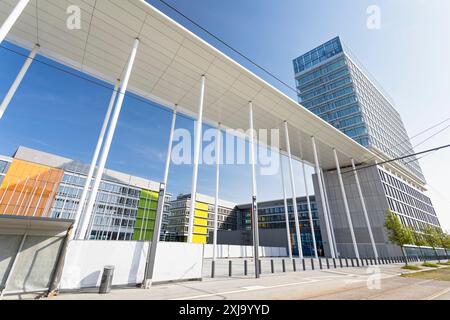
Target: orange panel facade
pixel 29 189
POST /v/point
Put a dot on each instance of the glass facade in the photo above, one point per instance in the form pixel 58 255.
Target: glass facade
pixel 317 55
pixel 122 211
pixel 271 215
pixel 340 91
pixel 335 87
pixel 412 207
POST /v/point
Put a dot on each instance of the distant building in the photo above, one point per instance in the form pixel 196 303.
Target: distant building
pixel 178 220
pixel 35 183
pixel 272 216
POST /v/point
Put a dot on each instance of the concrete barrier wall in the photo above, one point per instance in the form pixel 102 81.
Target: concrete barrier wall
pixel 85 261
pixel 235 251
pixel 175 261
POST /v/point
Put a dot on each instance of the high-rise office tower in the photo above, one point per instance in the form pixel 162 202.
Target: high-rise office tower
pixel 332 84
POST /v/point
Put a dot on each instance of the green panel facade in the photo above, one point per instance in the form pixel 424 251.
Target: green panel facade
pixel 145 219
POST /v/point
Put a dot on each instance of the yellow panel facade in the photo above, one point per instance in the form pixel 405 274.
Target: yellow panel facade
pixel 196 238
pixel 201 206
pixel 201 214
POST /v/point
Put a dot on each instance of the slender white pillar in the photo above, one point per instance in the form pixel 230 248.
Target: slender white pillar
pixel 347 210
pixel 308 202
pixel 108 141
pixel 79 217
pixel 197 147
pixel 322 179
pixel 254 210
pixel 169 147
pixel 294 194
pixel 366 216
pixel 151 256
pixel 322 197
pixel 286 210
pixel 216 201
pixel 12 90
pixel 162 200
pixel 12 18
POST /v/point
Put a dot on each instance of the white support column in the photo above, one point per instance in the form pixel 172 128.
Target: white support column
pixel 347 210
pixel 216 201
pixel 79 217
pixel 294 194
pixel 366 216
pixel 311 222
pixel 153 245
pixel 12 90
pixel 197 148
pixel 286 211
pixel 322 179
pixel 254 209
pixel 322 198
pixel 108 141
pixel 12 18
pixel 169 147
pixel 162 200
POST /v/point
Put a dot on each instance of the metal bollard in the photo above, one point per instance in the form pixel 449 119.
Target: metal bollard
pixel 106 282
pixel 230 268
pixel 320 263
pixel 213 267
pixel 272 268
pixel 334 263
pixel 346 262
pixel 293 265
pixel 312 264
pixel 353 264
pixel 283 263
pixel 259 265
pixel 328 264
pixel 245 268
pixel 340 262
pixel 304 264
pixel 357 262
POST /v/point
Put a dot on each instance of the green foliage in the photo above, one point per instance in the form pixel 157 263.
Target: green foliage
pixel 398 233
pixel 430 265
pixel 418 239
pixel 432 236
pixel 411 267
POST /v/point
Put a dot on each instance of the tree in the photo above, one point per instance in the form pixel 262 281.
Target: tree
pixel 432 237
pixel 418 241
pixel 443 238
pixel 446 244
pixel 398 233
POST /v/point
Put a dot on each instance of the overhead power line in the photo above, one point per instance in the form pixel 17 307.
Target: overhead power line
pixel 247 58
pixel 399 158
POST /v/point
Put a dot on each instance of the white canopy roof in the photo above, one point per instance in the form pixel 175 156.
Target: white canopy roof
pixel 168 69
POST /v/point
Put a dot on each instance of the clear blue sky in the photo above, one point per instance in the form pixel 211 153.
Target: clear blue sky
pixel 58 113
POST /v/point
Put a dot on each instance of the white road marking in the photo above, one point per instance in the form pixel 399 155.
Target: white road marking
pixel 437 295
pixel 255 288
pixel 308 280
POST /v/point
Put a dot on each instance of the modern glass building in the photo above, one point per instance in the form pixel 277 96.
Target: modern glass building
pixel 335 86
pixel 34 183
pixel 272 216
